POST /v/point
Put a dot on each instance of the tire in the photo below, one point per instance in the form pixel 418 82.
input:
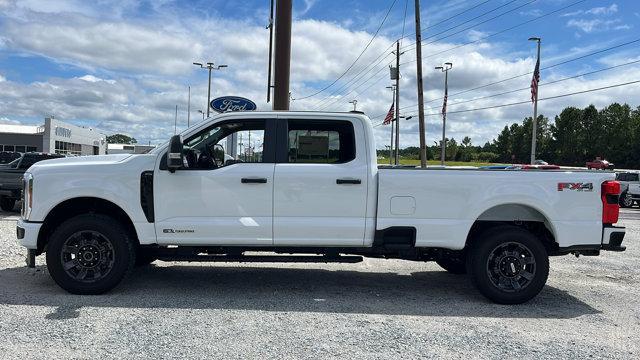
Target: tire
pixel 98 251
pixel 7 204
pixel 626 201
pixel 508 265
pixel 453 264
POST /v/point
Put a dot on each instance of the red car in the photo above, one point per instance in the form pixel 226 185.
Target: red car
pixel 599 164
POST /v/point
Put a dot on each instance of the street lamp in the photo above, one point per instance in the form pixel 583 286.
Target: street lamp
pixel 534 98
pixel 210 66
pixel 445 69
pixel 201 112
pixel 354 102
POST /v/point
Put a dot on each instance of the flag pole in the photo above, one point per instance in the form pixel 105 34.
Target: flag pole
pixel 534 122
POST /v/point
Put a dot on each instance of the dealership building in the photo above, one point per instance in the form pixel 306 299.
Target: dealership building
pixel 54 136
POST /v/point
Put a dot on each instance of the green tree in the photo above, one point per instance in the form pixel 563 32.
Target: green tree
pixel 121 139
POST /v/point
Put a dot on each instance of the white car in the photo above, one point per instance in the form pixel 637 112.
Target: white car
pixel 313 189
pixel 629 188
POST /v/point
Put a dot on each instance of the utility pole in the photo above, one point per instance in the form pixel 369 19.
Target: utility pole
pixel 534 121
pixel 282 58
pixel 397 102
pixel 445 69
pixel 189 108
pixel 209 66
pixel 421 127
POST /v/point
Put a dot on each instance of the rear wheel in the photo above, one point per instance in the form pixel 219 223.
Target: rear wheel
pixel 7 204
pixel 90 254
pixel 453 264
pixel 508 265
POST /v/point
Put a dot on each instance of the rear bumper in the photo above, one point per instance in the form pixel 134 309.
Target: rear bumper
pixel 612 237
pixel 27 233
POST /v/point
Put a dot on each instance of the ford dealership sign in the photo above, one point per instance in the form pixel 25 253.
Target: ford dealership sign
pixel 232 103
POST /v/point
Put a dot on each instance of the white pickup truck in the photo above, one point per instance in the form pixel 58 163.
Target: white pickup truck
pixel 307 189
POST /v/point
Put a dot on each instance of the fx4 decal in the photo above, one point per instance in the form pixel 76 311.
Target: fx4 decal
pixel 575 186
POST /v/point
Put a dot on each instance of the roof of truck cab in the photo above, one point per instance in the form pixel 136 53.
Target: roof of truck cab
pixel 289 113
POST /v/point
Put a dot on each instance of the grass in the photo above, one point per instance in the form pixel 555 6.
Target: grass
pixel 385 161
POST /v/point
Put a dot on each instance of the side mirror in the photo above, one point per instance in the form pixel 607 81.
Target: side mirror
pixel 174 155
pixel 218 155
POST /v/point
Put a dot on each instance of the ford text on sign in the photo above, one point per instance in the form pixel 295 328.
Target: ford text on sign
pixel 232 103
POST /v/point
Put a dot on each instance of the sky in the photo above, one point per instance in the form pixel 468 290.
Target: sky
pixel 122 66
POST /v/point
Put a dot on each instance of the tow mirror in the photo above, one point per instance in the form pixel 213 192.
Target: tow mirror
pixel 175 156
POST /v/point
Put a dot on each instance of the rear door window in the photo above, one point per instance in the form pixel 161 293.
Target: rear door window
pixel 320 142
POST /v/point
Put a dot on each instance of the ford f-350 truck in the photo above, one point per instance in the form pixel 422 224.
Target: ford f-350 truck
pixel 307 188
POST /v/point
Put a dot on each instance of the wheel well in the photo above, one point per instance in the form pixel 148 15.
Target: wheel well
pixel 78 206
pixel 519 215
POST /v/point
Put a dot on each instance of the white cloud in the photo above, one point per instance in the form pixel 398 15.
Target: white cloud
pixel 592 25
pixel 137 71
pixel 2 78
pixel 603 10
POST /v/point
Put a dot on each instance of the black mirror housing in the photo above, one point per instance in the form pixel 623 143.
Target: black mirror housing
pixel 175 155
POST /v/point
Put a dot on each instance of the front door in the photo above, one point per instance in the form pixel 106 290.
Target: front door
pixel 217 199
pixel 320 194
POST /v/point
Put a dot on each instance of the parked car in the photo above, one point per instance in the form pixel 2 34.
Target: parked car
pixel 629 188
pixel 11 177
pixel 599 164
pixel 8 156
pixel 540 162
pixel 533 167
pixel 315 191
pixel 494 167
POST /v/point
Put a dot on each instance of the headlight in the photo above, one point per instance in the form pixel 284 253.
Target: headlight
pixel 27 195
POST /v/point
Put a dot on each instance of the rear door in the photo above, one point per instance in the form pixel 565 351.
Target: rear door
pixel 320 183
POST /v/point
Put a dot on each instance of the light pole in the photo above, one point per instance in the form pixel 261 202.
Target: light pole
pixel 534 87
pixel 209 66
pixel 392 88
pixel 445 69
pixel 354 102
pixel 201 112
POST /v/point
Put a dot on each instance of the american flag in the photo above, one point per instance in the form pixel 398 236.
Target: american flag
pixel 534 81
pixel 389 118
pixel 444 103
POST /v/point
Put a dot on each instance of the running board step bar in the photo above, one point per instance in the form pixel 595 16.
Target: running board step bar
pixel 260 258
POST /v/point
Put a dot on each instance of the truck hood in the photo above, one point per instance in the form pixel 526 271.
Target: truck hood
pixel 82 160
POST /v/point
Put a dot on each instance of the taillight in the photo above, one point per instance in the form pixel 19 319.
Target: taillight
pixel 610 207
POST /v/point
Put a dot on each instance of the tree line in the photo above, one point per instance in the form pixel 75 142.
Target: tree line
pixel 574 137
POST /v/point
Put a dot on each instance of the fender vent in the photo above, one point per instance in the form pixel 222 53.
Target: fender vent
pixel 146 194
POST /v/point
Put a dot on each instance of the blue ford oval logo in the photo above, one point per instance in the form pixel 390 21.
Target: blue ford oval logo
pixel 232 103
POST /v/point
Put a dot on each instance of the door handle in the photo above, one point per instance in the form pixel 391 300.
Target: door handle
pixel 253 180
pixel 348 181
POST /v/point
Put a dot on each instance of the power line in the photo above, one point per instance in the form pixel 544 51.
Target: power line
pixel 386 54
pixel 474 18
pixel 358 58
pixel 499 32
pixel 541 84
pixel 542 99
pixel 529 73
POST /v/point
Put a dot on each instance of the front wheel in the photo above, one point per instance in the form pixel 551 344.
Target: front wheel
pixel 508 265
pixel 90 254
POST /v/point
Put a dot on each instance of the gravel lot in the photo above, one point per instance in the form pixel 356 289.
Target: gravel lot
pixel 375 309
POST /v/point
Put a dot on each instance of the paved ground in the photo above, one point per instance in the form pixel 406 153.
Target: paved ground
pixel 376 309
